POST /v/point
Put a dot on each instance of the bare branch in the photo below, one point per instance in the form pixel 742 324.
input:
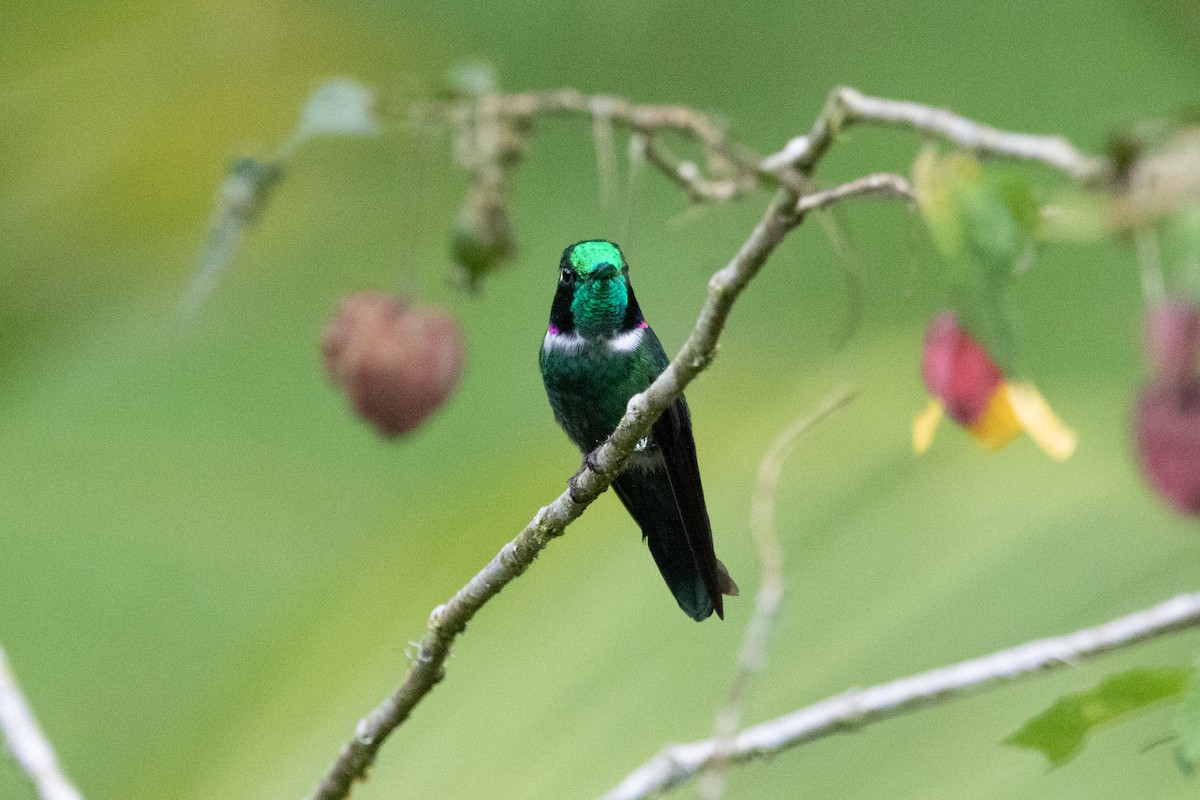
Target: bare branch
pixel 753 656
pixel 27 743
pixel 503 119
pixel 450 619
pixel 521 109
pixel 688 177
pixel 860 707
pixel 847 107
pixel 881 184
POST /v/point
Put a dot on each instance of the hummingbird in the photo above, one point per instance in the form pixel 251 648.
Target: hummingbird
pixel 598 353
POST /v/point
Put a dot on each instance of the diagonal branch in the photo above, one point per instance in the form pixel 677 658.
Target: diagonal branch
pixel 790 169
pixel 450 619
pixel 27 742
pixel 857 708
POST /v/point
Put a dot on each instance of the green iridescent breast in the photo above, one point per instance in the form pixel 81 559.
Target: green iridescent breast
pixel 589 384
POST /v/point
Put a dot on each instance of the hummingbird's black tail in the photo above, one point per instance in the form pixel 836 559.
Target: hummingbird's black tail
pixel 648 497
pixel 678 567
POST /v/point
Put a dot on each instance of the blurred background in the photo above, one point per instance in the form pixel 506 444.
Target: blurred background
pixel 209 569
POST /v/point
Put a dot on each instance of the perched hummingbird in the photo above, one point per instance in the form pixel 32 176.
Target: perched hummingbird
pixel 598 353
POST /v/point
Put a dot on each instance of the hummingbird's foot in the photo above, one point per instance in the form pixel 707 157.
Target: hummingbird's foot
pixel 573 489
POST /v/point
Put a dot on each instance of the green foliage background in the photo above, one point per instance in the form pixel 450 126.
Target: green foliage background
pixel 209 570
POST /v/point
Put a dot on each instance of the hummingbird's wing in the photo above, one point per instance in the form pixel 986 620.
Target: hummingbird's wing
pixel 673 435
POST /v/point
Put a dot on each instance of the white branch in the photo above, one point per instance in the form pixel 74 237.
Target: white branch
pixel 881 184
pixel 848 106
pixel 860 707
pixel 27 743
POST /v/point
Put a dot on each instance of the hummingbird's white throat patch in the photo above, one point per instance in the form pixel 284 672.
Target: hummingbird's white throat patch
pixel 563 342
pixel 626 342
pixel 572 342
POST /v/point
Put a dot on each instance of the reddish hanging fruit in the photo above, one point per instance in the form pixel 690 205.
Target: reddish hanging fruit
pixel 1167 416
pixel 1167 434
pixel 397 363
pixel 1173 341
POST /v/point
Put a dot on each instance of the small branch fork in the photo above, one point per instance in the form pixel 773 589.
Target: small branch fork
pixel 789 170
pixel 28 745
pixel 857 708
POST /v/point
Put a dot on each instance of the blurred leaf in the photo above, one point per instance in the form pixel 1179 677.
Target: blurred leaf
pixel 1077 216
pixel 937 181
pixel 338 107
pixel 240 201
pixel 1180 242
pixel 984 223
pixel 999 217
pixel 483 238
pixel 1060 730
pixel 991 217
pixel 1187 724
pixel 472 78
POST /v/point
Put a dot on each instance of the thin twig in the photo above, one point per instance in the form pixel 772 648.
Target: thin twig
pixel 753 656
pixel 688 177
pixel 606 160
pixel 847 107
pixel 881 184
pixel 27 742
pixel 860 707
pixel 523 108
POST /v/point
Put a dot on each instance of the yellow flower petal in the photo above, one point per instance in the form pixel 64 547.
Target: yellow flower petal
pixel 1046 429
pixel 999 424
pixel 925 426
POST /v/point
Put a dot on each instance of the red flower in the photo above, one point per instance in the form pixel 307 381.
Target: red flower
pixel 1167 433
pixel 1167 414
pixel 969 387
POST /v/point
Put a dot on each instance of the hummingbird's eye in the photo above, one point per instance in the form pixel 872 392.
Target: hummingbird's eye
pixel 567 276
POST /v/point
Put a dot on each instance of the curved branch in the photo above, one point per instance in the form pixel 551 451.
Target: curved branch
pixel 859 707
pixel 881 184
pixel 522 108
pixel 752 657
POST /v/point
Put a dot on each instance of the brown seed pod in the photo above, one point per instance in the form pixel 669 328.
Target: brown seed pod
pixel 396 363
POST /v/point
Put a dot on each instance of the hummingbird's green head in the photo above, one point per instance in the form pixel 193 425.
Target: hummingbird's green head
pixel 594 296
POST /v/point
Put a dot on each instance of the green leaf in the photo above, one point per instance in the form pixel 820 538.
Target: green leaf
pixel 1187 723
pixel 1179 240
pixel 999 218
pixel 984 222
pixel 1059 731
pixel 937 183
